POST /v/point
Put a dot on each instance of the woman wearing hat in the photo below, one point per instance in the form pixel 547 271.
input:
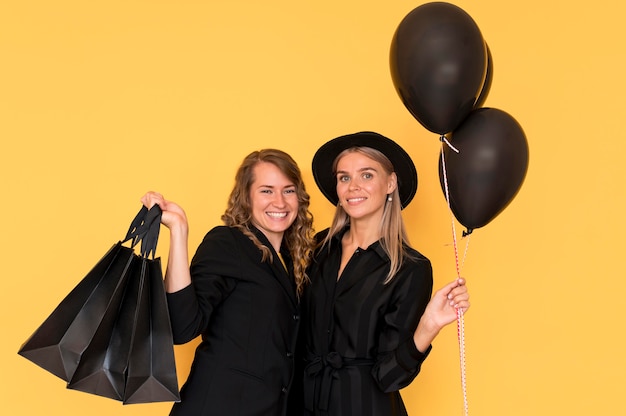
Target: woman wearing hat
pixel 369 319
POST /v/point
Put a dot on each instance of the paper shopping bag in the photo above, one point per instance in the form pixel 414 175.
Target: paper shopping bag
pixel 57 345
pixel 152 368
pixel 89 337
pixel 103 364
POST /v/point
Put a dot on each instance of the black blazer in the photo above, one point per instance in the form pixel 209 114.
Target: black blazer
pixel 248 315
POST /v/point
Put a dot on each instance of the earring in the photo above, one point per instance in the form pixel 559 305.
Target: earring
pixel 389 198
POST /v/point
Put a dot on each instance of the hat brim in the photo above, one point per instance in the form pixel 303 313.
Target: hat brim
pixel 403 165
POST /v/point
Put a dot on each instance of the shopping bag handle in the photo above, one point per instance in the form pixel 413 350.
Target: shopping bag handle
pixel 145 227
pixel 151 238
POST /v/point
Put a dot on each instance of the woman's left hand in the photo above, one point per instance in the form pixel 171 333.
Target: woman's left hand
pixel 441 311
pixel 442 308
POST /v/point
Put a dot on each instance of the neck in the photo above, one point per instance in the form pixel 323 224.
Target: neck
pixel 275 241
pixel 362 233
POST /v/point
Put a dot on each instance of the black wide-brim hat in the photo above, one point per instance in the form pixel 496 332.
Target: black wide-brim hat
pixel 403 165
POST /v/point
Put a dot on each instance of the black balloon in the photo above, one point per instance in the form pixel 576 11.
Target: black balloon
pixel 484 92
pixel 438 62
pixel 489 169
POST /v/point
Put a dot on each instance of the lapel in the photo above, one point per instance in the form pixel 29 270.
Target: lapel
pixel 285 278
pixel 349 278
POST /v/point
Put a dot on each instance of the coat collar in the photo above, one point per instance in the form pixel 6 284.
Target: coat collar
pixel 375 246
pixel 348 280
pixel 284 277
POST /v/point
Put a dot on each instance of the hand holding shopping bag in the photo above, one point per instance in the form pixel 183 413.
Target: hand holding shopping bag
pixel 91 339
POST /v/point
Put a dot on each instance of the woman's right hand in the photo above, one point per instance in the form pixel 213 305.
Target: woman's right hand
pixel 173 216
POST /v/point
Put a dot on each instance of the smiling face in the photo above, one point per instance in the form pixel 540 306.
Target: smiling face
pixel 363 186
pixel 273 200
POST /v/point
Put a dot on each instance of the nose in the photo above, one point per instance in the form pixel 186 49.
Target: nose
pixel 354 184
pixel 279 200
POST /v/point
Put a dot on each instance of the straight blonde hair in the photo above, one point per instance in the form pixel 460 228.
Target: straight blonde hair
pixel 393 237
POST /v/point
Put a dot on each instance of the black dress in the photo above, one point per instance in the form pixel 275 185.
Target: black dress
pixel 357 332
pixel 247 313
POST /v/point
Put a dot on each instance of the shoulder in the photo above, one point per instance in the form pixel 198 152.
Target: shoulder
pixel 221 238
pixel 320 236
pixel 322 247
pixel 226 246
pixel 229 240
pixel 224 232
pixel 219 254
pixel 415 265
pixel 415 256
pixel 220 230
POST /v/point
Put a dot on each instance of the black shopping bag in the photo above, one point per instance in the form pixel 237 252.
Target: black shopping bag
pixel 102 367
pixel 87 339
pixel 151 368
pixel 59 342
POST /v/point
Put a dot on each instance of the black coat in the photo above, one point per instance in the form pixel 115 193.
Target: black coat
pixel 358 331
pixel 248 315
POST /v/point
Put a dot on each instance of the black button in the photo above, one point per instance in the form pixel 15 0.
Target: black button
pixel 296 317
pixel 289 354
pixel 284 390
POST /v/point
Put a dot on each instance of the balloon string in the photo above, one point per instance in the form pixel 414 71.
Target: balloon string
pixel 460 322
pixel 447 192
pixel 460 325
pixel 445 139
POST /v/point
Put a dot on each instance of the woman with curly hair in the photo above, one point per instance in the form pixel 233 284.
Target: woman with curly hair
pixel 241 292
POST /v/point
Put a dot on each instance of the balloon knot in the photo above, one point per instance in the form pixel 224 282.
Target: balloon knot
pixel 445 140
pixel 467 232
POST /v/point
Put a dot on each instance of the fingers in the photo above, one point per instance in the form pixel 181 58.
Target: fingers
pixel 461 302
pixel 457 294
pixel 451 287
pixel 151 198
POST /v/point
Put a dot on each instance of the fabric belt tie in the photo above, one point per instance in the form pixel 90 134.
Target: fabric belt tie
pixel 326 366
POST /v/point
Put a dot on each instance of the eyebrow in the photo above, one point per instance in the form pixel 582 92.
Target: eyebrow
pixel 274 186
pixel 360 170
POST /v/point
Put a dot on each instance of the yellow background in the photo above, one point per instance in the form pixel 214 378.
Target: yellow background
pixel 101 101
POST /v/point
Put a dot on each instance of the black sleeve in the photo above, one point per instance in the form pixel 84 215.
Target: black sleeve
pixel 399 361
pixel 214 274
